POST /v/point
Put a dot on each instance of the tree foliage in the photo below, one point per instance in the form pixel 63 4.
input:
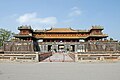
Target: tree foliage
pixel 5 35
pixel 111 39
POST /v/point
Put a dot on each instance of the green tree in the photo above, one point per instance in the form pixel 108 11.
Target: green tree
pixel 5 35
pixel 111 39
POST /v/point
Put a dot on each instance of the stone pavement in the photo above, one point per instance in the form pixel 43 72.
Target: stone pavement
pixel 59 57
pixel 60 71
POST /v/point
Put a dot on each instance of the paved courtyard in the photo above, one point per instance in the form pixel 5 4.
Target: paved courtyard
pixel 59 71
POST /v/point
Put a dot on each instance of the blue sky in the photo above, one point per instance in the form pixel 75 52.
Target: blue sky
pixel 77 14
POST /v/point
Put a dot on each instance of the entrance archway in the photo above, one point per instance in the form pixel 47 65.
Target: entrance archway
pixel 61 48
pixel 49 47
pixel 72 48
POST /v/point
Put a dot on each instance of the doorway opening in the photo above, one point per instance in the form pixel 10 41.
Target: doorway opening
pixel 61 48
pixel 72 48
pixel 49 47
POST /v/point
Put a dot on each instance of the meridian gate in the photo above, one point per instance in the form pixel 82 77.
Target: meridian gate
pixel 54 43
pixel 66 40
pixel 60 39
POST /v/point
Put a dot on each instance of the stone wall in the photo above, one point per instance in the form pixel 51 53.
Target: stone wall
pixel 19 57
pixel 102 46
pixel 97 56
pixel 82 46
pixel 18 46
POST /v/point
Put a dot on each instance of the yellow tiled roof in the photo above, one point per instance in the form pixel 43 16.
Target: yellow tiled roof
pixel 61 30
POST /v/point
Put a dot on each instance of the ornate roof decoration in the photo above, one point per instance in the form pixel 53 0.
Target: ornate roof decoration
pixel 97 27
pixel 61 30
pixel 68 30
pixel 25 27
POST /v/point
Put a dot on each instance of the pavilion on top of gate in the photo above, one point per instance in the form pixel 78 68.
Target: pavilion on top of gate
pixel 61 34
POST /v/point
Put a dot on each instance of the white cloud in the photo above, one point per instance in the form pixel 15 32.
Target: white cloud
pixel 75 11
pixel 75 8
pixel 28 17
pixel 32 19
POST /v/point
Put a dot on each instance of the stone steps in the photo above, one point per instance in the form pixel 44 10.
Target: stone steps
pixel 59 57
